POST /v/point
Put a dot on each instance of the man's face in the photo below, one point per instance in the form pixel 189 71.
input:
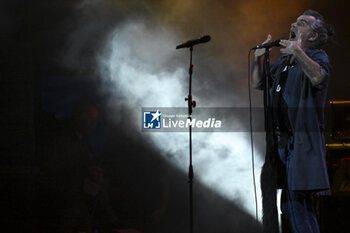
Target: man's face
pixel 302 29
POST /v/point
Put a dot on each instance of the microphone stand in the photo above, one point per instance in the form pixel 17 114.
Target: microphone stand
pixel 270 146
pixel 191 105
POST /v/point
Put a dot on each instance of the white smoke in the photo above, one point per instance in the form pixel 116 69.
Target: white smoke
pixel 145 70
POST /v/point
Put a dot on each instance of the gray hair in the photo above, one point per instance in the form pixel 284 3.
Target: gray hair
pixel 323 29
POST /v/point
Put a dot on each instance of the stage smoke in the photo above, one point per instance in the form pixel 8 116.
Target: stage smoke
pixel 143 70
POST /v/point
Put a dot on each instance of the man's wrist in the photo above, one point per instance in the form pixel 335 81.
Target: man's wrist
pixel 257 58
pixel 298 52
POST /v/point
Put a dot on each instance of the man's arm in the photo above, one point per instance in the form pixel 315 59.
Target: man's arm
pixel 257 69
pixel 312 69
pixel 257 72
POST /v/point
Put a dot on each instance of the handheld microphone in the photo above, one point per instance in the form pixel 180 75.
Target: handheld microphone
pixel 191 43
pixel 268 45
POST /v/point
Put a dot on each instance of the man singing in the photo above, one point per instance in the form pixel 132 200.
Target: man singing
pixel 299 80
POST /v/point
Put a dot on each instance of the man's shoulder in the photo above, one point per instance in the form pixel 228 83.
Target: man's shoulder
pixel 321 57
pixel 317 53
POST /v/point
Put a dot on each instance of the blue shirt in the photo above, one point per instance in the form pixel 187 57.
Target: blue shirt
pixel 305 102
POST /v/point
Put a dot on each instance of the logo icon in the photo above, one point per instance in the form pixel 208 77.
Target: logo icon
pixel 152 120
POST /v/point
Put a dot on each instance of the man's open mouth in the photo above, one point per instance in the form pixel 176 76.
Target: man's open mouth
pixel 292 35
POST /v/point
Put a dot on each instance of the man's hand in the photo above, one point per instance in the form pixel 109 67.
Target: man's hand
pixel 260 52
pixel 257 69
pixel 291 47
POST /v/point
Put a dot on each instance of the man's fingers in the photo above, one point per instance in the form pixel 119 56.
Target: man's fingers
pixel 260 52
pixel 269 37
pixel 284 43
pixel 283 50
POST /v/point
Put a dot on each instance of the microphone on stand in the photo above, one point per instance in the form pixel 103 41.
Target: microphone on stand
pixel 190 43
pixel 268 45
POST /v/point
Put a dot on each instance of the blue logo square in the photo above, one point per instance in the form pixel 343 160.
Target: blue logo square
pixel 152 119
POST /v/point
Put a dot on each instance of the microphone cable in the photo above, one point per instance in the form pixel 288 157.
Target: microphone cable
pixel 252 140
